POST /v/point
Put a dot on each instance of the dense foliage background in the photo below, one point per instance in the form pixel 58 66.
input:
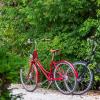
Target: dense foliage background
pixel 67 23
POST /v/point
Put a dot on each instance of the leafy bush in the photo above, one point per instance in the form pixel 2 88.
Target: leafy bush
pixel 68 23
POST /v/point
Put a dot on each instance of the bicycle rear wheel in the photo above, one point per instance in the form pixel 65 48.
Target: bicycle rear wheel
pixel 85 78
pixel 68 83
pixel 29 79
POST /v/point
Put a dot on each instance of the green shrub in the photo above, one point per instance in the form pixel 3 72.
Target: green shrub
pixel 68 23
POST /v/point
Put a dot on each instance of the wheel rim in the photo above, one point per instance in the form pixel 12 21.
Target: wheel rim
pixel 29 82
pixel 85 78
pixel 65 86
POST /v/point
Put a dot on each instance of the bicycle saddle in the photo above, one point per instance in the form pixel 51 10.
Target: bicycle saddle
pixel 53 51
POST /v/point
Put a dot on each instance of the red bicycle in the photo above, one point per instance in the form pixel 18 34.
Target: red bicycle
pixel 61 72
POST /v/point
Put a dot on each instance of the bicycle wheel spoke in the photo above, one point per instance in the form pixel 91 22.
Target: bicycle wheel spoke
pixel 68 82
pixel 85 77
pixel 28 80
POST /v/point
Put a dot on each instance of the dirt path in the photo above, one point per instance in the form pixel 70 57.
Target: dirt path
pixel 44 94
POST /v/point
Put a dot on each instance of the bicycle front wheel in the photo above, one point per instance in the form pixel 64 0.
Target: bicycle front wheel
pixel 29 79
pixel 85 78
pixel 68 83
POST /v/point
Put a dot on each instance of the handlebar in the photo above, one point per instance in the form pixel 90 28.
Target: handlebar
pixel 45 39
pixel 93 44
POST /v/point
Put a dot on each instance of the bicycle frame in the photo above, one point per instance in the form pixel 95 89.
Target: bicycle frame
pixel 48 74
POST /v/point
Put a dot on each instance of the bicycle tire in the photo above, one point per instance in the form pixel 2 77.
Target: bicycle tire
pixel 81 89
pixel 29 83
pixel 63 86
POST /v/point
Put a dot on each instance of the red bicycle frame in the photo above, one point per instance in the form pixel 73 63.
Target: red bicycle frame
pixel 48 74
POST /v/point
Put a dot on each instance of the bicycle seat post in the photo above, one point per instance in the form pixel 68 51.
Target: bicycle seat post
pixel 53 53
pixel 52 56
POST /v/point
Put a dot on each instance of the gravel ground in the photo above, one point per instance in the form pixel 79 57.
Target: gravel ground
pixel 44 94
